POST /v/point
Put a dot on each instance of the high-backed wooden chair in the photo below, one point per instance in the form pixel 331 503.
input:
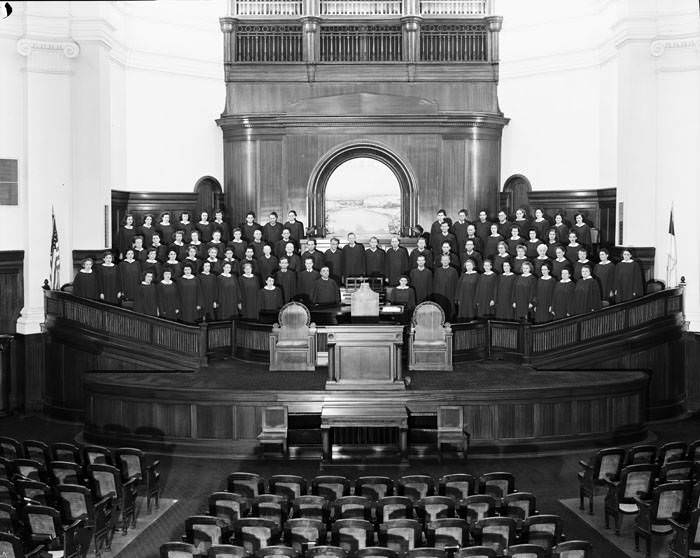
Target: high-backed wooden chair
pixel 645 453
pixel 276 551
pixel 668 501
pixel 30 469
pixel 497 533
pixel 273 507
pixel 249 485
pixel 476 552
pixel 457 485
pixel 431 508
pixel 254 533
pixel 311 507
pixel 106 481
pixel 153 485
pixel 605 464
pixel 293 339
pixel 65 472
pixel 352 534
pixel 130 462
pixel 228 506
pixel 620 499
pixel 376 552
pixel 415 487
pixel 43 526
pixel 477 506
pixel 6 468
pixel 8 519
pixel 97 455
pixel 8 493
pixel 12 547
pixel 36 491
pixel 330 487
pixel 400 535
pixel 448 533
pixel 686 540
pixel 76 503
pixel 681 470
pixel 519 505
pixel 300 533
pixel 394 507
pixel 39 451
pixel 543 530
pixel 525 551
pixel 430 339
pixel 10 448
pixel 64 451
pixel 273 436
pixel 573 549
pixel 671 451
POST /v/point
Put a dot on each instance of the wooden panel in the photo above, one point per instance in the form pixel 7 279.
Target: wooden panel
pixel 248 422
pixel 215 421
pixel 11 289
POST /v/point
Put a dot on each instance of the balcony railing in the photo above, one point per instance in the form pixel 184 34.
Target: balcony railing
pixel 353 43
pixel 455 7
pixel 267 8
pixel 453 43
pixel 283 8
pixel 268 43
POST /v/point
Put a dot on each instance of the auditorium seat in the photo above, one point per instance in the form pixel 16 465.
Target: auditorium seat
pixel 519 505
pixel 671 451
pixel 326 551
pixel 457 485
pixel 273 507
pixel 311 507
pixel 228 506
pixel 250 485
pixel 12 547
pixel 374 488
pixel 351 534
pixel 400 535
pixel 130 462
pixel 97 455
pixel 686 535
pixel 8 519
pixel 65 472
pixel 63 451
pixel 645 453
pixel 693 452
pixel 254 533
pixel 680 470
pixel 330 487
pixel 525 551
pixel 39 451
pixel 497 484
pixel 605 464
pixel 451 432
pixel 376 552
pixel 426 552
pixel 275 551
pixel 573 549
pixel 497 533
pixel 288 486
pixel 666 502
pixel 226 551
pixel 447 533
pixel 10 448
pixel 76 503
pixel 153 485
pixel 44 527
pixel 5 468
pixel 393 507
pixel 431 508
pixel 476 552
pixel 430 339
pixel 203 531
pixel 273 434
pixel 543 530
pixel 415 487
pixel 477 506
pixel 30 468
pixel 301 533
pixel 8 494
pixel 620 499
pixel 293 339
pixel 106 481
pixel 352 507
pixel 35 491
pixel 176 550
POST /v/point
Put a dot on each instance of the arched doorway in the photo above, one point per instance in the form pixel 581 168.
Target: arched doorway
pixel 362 188
pixel 517 190
pixel 209 196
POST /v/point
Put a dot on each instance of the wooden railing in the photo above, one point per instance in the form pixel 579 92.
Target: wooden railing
pixel 360 7
pixel 455 7
pixel 454 42
pixel 268 43
pixel 267 8
pixel 285 8
pixel 355 43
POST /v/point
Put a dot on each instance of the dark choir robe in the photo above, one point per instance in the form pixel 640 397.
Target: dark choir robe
pixel 552 249
pixel 205 229
pixel 524 293
pixel 167 232
pixel 491 246
pixel 201 249
pixel 583 234
pixel 513 243
pixel 250 288
pixel 326 292
pixel 168 300
pixel 466 295
pixel 306 280
pixel 454 261
pixel 353 260
pixel 130 278
pixel 374 262
pixel 577 268
pixel 504 297
pixel 486 293
pixel 279 249
pixel 474 256
pixel 628 281
pixel 190 298
pixel 444 289
pixel 531 248
pixel 586 297
pixel 272 235
pixel 543 296
pixel 125 239
pixel 541 227
pixel 562 299
pixel 220 248
pixel 207 284
pixel 147 234
pixel 605 274
pixel 516 264
pixel 395 264
pixel 557 266
pixel 562 233
pixel 267 267
pixel 224 228
pixel 435 229
pixel 498 262
pixel 523 226
pixel 405 298
pixel 140 255
pixel 247 231
pixel 180 250
pixel 315 255
pixel 269 300
pixel 228 296
pixel 296 230
pixel 194 263
pixel 413 258
pixel 287 282
pixel 253 264
pixel 422 283
pixel 571 252
pixel 146 301
pixel 295 263
pixel 483 231
pixel 154 267
pixel 235 266
pixel 437 241
pixel 334 261
pixel 238 248
pixel 108 282
pixel 459 230
pixel 214 265
pixel 257 248
pixel 478 243
pixel 86 285
pixel 186 228
pixel 161 252
pixel 538 262
pixel 504 228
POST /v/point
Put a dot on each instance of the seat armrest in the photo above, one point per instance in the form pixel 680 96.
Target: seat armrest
pixel 38 552
pixel 677 525
pixel 641 502
pixel 584 464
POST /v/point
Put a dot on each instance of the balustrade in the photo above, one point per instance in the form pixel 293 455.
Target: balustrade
pixel 268 43
pixel 441 42
pixel 355 43
pixel 286 8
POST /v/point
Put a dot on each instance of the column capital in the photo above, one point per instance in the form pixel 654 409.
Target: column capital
pixel 48 55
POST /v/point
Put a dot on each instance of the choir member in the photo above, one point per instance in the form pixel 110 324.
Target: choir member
pixel 466 292
pixel 190 295
pixel 374 259
pixel 420 250
pixel 85 283
pixel 522 222
pixel 272 230
pixel 444 235
pixel 326 291
pixel 524 292
pixel 230 259
pixel 471 235
pixel 165 228
pixel 445 285
pixel 250 287
pixel 197 244
pixel 222 226
pixel 192 260
pixel 293 259
pixel 504 225
pixel 147 230
pixel 532 243
pixel 580 262
pixel 396 262
pixel 213 260
pixel 270 299
pixel 161 249
pixel 559 263
pixel 152 264
pixel 207 285
pixel 628 278
pixel 249 258
pixel 129 275
pixel 544 294
pixel 561 229
pixel 249 226
pixel 552 243
pixel 140 252
pixel 421 280
pixel 217 243
pixel 515 239
pixel 185 225
pixel 504 293
pixel 168 297
pixel 281 245
pixel 306 280
pixel 311 252
pixel 486 291
pixel 563 296
pixel 541 224
pixel 604 272
pixel 286 280
pixel 583 231
pixel 436 227
pixel 125 236
pixel 519 259
pixel 179 245
pixel 108 280
pixel 470 253
pixel 586 293
pixel 146 301
pixel 333 258
pixel 257 244
pixel 483 228
pixel 238 244
pixel 267 264
pixel 492 242
pixel 296 228
pixel 446 250
pixel 572 248
pixel 501 257
pixel 353 258
pixel 541 259
pixel 459 229
pixel 404 295
pixel 228 294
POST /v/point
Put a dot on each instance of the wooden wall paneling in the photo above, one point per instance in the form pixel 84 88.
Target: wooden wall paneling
pixel 215 421
pixel 248 422
pixel 691 346
pixel 31 369
pixel 11 289
pixel 271 176
pixel 175 420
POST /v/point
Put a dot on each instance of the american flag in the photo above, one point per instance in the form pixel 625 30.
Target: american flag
pixel 55 256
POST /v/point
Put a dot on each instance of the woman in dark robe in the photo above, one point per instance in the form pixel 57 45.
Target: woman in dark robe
pixel 520 258
pixel 604 272
pixel 267 264
pixel 445 280
pixel 628 278
pixel 541 224
pixel 466 292
pixel 184 225
pixel 178 245
pixel 543 295
pixel 326 291
pixel 194 262
pixel 486 291
pixel 108 280
pixel 563 296
pixel 421 279
pixel 404 295
pixel 238 244
pixel 129 275
pixel 560 262
pixel 146 301
pixel 190 295
pixel 207 284
pixel 572 248
pixel 250 287
pixel 85 284
pixel 540 260
pixel 492 242
pixel 173 265
pixel 501 257
pixel 199 246
pixel 306 280
pixel 552 243
pixel 504 293
pixel 586 294
pixel 168 297
pixel 286 280
pixel 125 236
pixel 582 260
pixel 165 228
pixel 152 264
pixel 269 300
pixel 583 231
pixel 524 292
pixel 205 227
pixel 228 297
pixel 532 243
pixel 561 228
pixel 147 230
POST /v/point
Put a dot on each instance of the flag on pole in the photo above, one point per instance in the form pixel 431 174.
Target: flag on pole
pixel 672 259
pixel 55 279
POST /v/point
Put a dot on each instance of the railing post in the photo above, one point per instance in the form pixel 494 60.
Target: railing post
pixel 494 27
pixel 203 341
pixel 228 25
pixel 310 8
pixel 311 31
pixel 526 341
pixel 410 29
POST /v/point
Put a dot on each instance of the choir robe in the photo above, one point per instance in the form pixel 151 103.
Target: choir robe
pixel 125 239
pixel 207 284
pixel 269 300
pixel 129 278
pixel 257 248
pixel 516 264
pixel 557 266
pixel 280 247
pixel 180 250
pixel 605 274
pixel 405 298
pixel 577 268
pixel 186 228
pixel 523 226
pixel 422 283
pixel 86 285
pixel 267 266
pixel 543 299
pixel 498 262
pixel 459 230
pixel 168 300
pixel 235 266
pixel 146 301
pixel 334 262
pixel 201 250
pixel 374 262
pixel 513 243
pixel 413 258
pixel 228 296
pixel 161 252
pixel 437 241
pixel 147 234
pixel 253 263
pixel 167 232
pixel 586 297
pixel 247 231
pixel 475 257
pixel 194 263
pixel 353 260
pixel 220 248
pixel 524 294
pixel 571 252
pixel 583 234
pixel 306 280
pixel 466 295
pixel 295 264
pixel 531 248
pixel 444 289
pixel 140 255
pixel 504 297
pixel 154 267
pixel 108 282
pixel 224 228
pixel 628 281
pixel 541 227
pixel 478 243
pixel 483 231
pixel 538 262
pixel 326 292
pixel 454 261
pixel 504 228
pixel 435 229
pixel 238 248
pixel 315 255
pixel 552 249
pixel 491 246
pixel 395 264
pixel 287 282
pixel 296 230
pixel 562 233
pixel 250 289
pixel 272 235
pixel 562 299
pixel 190 298
pixel 205 229
pixel 485 293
